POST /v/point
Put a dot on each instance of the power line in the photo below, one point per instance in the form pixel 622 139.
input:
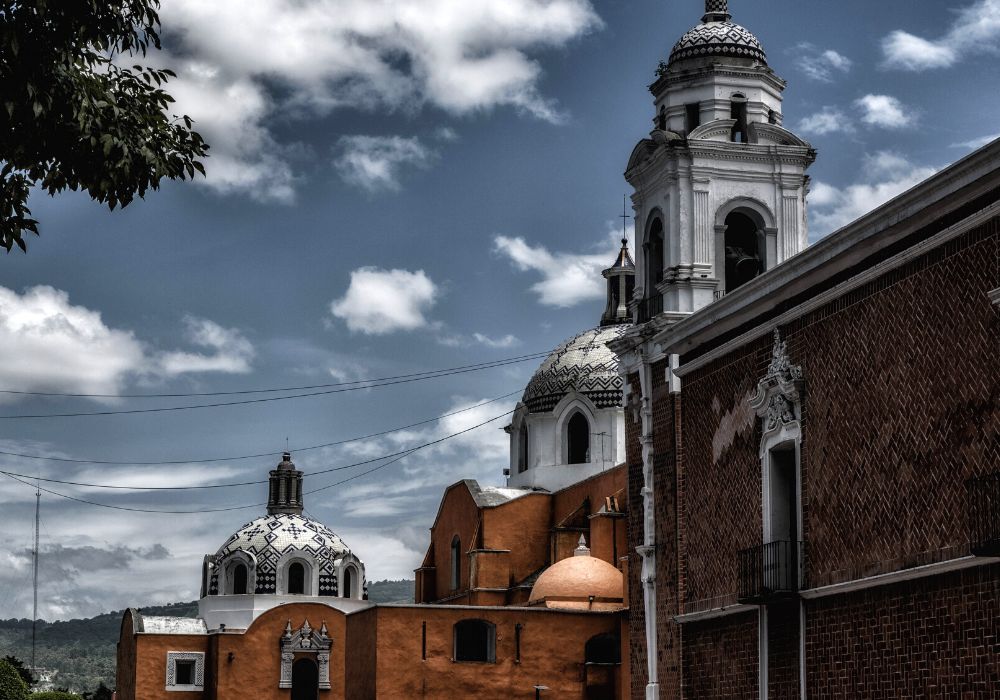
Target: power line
pixel 396 457
pixel 140 463
pixel 308 387
pixel 163 409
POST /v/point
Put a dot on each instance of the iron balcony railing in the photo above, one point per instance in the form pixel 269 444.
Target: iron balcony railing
pixel 983 513
pixel 769 571
pixel 649 307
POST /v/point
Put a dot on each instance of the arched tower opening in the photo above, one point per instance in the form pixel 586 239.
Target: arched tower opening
pixel 578 439
pixel 744 246
pixel 654 256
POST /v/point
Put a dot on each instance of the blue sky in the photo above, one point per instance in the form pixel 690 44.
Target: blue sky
pixel 395 187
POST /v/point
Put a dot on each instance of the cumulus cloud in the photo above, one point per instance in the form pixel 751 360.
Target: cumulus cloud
pixel 379 301
pixel 975 29
pixel 242 65
pixel 820 64
pixel 884 111
pixel 232 354
pixel 829 120
pixel 54 345
pixel 886 174
pixel 374 162
pixel 567 278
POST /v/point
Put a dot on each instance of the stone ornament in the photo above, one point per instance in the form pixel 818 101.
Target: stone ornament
pixel 199 669
pixel 778 397
pixel 305 640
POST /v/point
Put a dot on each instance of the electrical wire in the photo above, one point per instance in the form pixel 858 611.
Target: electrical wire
pixel 140 463
pixel 308 387
pixel 399 456
pixel 163 409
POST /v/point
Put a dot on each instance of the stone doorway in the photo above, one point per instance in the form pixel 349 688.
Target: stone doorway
pixel 305 680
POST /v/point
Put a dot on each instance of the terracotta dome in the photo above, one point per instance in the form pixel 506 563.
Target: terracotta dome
pixel 572 582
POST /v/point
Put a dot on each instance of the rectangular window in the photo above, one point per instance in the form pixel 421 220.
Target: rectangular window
pixel 693 116
pixel 185 670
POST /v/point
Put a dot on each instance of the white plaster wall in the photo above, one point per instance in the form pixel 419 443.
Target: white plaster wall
pixel 239 611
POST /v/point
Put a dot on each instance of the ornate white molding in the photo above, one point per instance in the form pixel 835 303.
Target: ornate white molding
pixel 779 397
pixel 199 670
pixel 308 641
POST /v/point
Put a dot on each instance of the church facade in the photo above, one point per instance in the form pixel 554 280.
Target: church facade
pixel 812 433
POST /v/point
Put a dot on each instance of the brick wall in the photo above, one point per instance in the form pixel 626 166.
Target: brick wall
pixel 720 658
pixel 937 637
pixel 784 624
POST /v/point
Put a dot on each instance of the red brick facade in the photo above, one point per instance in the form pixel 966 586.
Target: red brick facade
pixel 720 658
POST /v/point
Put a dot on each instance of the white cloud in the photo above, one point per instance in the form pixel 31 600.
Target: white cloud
pixel 976 29
pixel 324 55
pixel 886 175
pixel 53 345
pixel 885 111
pixel 374 162
pixel 820 64
pixel 977 143
pixel 457 340
pixel 829 120
pixel 233 352
pixel 383 301
pixel 567 278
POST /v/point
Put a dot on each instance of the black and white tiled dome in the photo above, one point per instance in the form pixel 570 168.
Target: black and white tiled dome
pixel 270 537
pixel 585 364
pixel 718 39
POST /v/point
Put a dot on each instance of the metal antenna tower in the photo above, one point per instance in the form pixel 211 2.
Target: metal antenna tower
pixel 34 609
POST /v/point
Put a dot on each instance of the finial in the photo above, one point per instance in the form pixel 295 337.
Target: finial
pixel 581 549
pixel 716 11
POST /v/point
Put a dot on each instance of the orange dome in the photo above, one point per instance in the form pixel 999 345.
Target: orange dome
pixel 579 582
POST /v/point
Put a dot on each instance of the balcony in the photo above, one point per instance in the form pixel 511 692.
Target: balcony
pixel 769 571
pixel 983 513
pixel 649 307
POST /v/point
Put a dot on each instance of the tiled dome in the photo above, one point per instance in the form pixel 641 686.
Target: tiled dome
pixel 270 537
pixel 718 38
pixel 585 364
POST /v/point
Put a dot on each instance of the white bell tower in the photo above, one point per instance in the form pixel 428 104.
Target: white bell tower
pixel 720 185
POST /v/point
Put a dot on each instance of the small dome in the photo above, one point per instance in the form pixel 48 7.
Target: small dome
pixel 570 583
pixel 718 38
pixel 585 364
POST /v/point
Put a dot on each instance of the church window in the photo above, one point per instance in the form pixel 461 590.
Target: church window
pixel 240 579
pixel 654 256
pixel 743 245
pixel 475 640
pixel 185 670
pixel 522 449
pixel 661 119
pixel 296 578
pixel 348 587
pixel 456 562
pixel 578 440
pixel 738 112
pixel 693 116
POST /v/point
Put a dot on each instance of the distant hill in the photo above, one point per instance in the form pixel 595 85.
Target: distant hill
pixel 83 651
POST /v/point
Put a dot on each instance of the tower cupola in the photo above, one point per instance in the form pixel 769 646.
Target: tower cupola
pixel 284 494
pixel 621 285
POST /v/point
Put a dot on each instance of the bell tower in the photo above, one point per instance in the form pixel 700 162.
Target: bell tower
pixel 720 185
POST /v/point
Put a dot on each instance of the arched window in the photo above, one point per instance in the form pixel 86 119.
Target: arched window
pixel 240 579
pixel 305 680
pixel 654 256
pixel 578 439
pixel 738 111
pixel 522 449
pixel 296 577
pixel 348 587
pixel 744 259
pixel 475 640
pixel 456 562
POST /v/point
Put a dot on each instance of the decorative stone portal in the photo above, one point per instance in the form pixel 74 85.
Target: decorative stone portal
pixel 305 642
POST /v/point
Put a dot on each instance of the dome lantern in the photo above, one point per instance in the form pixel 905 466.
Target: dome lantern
pixel 284 494
pixel 621 285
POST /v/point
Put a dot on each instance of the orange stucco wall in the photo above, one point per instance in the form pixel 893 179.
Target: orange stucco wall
pixel 151 664
pixel 458 515
pixel 551 653
pixel 522 526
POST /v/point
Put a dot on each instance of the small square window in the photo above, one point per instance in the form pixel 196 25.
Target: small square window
pixel 185 670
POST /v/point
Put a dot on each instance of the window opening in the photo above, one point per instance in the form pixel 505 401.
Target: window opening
pixel 661 119
pixel 738 111
pixel 240 579
pixel 423 640
pixel 578 439
pixel 743 246
pixel 296 578
pixel 349 582
pixel 184 672
pixel 456 562
pixel 693 116
pixel 783 494
pixel 522 449
pixel 654 257
pixel 475 640
pixel 305 680
pixel 602 649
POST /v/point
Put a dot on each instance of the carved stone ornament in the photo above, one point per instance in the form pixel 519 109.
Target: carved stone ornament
pixel 305 640
pixel 779 396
